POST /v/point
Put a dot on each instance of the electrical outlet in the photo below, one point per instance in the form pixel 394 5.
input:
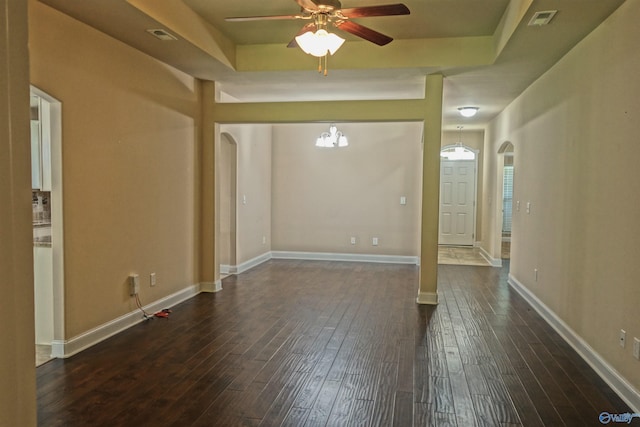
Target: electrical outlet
pixel 134 284
pixel 374 241
pixel 623 337
pixel 152 279
pixel 636 348
pixel 353 240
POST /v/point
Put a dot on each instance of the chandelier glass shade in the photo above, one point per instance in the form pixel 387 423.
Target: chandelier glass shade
pixel 333 138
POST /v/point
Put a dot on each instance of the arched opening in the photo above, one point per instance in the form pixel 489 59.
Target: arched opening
pixel 227 167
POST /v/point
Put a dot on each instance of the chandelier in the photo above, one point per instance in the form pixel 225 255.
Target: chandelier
pixel 333 138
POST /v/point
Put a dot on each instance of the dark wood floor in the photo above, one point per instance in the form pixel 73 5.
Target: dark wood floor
pixel 300 343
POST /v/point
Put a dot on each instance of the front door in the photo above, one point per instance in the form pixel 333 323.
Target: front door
pixel 457 202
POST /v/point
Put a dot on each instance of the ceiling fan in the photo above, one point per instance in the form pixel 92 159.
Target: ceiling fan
pixel 324 12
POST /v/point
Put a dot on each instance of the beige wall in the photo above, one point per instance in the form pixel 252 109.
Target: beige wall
pixel 575 133
pixel 253 189
pixel 17 371
pixel 130 170
pixel 322 197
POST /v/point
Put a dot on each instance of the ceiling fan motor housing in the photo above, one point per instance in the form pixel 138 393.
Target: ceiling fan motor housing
pixel 328 5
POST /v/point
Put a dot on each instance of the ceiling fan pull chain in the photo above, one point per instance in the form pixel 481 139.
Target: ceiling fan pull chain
pixel 319 64
pixel 326 62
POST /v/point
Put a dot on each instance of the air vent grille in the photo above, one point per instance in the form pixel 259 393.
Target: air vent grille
pixel 162 34
pixel 542 18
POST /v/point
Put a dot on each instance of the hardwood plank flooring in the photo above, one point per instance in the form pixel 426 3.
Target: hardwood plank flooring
pixel 311 343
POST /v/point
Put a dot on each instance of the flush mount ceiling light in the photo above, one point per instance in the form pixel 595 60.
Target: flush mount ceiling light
pixel 333 138
pixel 468 111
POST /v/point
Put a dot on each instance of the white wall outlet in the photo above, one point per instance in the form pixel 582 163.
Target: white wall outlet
pixel 518 206
pixel 528 207
pixel 134 284
pixel 244 199
pixel 403 200
pixel 353 240
pixel 374 241
pixel 636 348
pixel 623 338
pixel 264 240
pixel 152 279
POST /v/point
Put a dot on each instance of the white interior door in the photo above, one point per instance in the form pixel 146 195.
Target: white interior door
pixel 457 202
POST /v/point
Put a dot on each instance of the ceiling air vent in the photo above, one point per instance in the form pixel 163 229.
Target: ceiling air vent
pixel 162 34
pixel 542 18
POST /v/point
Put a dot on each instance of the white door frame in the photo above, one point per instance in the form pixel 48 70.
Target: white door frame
pixel 475 187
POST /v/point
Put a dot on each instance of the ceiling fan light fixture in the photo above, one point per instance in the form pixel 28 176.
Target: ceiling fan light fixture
pixel 468 111
pixel 320 43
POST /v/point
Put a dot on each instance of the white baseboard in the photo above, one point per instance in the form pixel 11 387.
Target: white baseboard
pixel 429 298
pixel 327 256
pixel 618 383
pixel 228 269
pixel 68 348
pixel 211 287
pixel 495 262
pixel 254 262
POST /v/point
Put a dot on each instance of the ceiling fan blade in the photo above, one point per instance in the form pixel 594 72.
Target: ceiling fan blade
pixel 309 27
pixel 363 32
pixel 383 10
pixel 264 18
pixel 307 5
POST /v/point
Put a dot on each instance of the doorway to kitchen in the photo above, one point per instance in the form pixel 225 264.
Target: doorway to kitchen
pixel 48 255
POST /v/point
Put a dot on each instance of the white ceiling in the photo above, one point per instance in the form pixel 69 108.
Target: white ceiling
pixel 525 53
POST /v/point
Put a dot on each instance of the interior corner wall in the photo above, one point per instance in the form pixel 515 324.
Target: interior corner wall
pixel 324 196
pixel 253 187
pixel 576 151
pixel 473 139
pixel 17 370
pixel 130 167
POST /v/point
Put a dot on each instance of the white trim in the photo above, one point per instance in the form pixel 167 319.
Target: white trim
pixel 617 382
pixel 430 298
pixel 68 348
pixel 495 262
pixel 248 265
pixel 211 287
pixel 228 269
pixel 329 256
